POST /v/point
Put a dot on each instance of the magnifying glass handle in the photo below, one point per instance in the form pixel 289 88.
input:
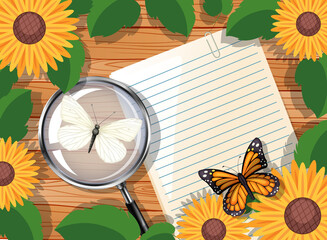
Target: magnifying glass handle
pixel 133 208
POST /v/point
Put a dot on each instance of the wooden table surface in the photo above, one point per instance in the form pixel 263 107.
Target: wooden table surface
pixel 54 197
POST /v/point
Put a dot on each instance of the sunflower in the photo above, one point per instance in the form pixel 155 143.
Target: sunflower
pixel 16 174
pixel 33 33
pixel 302 26
pixel 298 211
pixel 208 221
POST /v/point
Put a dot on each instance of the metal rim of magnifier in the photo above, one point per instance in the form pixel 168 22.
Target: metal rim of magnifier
pixel 127 174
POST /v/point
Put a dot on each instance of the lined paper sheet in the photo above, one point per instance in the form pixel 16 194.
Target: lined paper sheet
pixel 204 113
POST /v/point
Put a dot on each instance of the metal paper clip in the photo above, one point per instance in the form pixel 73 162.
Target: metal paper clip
pixel 213 43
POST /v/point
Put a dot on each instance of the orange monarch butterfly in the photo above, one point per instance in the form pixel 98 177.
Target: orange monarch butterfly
pixel 245 183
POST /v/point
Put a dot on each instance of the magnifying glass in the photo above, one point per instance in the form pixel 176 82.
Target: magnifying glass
pixel 96 136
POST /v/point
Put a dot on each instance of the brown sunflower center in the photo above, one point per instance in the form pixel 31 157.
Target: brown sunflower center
pixel 7 174
pixel 29 27
pixel 213 229
pixel 302 215
pixel 308 24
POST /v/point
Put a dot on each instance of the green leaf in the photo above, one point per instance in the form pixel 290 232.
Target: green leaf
pixel 159 231
pixel 248 209
pixel 21 222
pixel 15 110
pixel 312 76
pixel 100 222
pixel 7 79
pixel 252 20
pixel 312 146
pixel 80 7
pixel 227 6
pixel 107 17
pixel 69 70
pixel 175 15
pixel 215 7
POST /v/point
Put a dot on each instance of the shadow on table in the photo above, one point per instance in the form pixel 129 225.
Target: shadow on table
pixel 212 21
pixel 43 206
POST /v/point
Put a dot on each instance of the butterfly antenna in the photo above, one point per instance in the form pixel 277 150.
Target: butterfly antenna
pixel 107 117
pixel 230 169
pixel 94 114
pixel 238 163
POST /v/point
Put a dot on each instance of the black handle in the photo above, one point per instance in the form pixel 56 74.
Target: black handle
pixel 135 211
pixel 133 208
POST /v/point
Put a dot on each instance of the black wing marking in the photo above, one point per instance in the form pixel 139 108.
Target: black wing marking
pixel 255 147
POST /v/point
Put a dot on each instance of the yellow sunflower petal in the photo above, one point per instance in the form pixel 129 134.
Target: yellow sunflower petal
pixel 48 8
pixel 40 55
pixel 314 190
pixel 21 52
pixel 289 182
pixel 63 5
pixel 3 152
pixel 36 67
pixel 207 209
pixel 19 186
pixel 18 52
pixel 295 172
pixel 312 172
pixel 20 6
pixel 21 67
pixel 11 196
pixel 7 6
pixel 39 5
pixel 28 60
pixel 2 204
pixel 303 182
pixel 289 33
pixel 8 49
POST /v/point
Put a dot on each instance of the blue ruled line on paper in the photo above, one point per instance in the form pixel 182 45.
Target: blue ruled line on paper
pixel 248 104
pixel 229 130
pixel 213 80
pixel 199 180
pixel 204 92
pixel 219 144
pixel 211 108
pixel 219 125
pixel 209 187
pixel 183 64
pixel 233 157
pixel 215 155
pixel 193 69
pixel 190 80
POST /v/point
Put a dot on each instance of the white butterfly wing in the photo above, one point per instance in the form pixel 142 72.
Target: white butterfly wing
pixel 107 143
pixel 76 136
pixel 125 130
pixel 109 149
pixel 72 112
pixel 73 137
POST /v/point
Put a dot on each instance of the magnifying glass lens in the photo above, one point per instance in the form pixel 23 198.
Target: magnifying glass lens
pixel 105 104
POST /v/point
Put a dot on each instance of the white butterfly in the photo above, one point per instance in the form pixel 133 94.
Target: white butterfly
pixel 81 132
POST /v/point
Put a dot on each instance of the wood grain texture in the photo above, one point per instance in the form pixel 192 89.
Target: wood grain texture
pixel 55 198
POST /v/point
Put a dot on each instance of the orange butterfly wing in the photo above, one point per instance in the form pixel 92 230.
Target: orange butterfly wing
pixel 263 183
pixel 254 159
pixel 235 200
pixel 218 180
